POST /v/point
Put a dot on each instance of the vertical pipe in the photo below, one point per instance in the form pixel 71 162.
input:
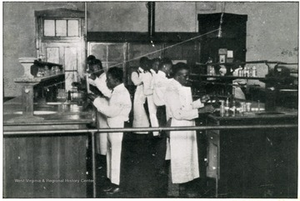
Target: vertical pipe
pixel 151 18
pixel 85 29
pixel 94 164
pixel 85 44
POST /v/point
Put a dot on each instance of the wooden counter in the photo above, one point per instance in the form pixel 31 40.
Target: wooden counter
pixel 254 163
pixel 46 165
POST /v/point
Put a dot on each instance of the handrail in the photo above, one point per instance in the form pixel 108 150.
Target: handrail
pixel 143 129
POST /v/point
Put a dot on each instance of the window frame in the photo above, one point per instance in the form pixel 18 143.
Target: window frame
pixel 43 37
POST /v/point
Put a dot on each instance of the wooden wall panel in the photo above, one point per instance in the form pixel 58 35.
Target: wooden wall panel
pixel 45 159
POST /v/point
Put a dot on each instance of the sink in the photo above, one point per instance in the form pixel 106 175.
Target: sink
pixel 38 112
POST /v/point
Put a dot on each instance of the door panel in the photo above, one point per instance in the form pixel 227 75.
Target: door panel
pixel 67 54
pixel 52 54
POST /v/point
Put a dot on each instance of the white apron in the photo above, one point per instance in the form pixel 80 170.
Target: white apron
pixel 183 144
pixel 101 142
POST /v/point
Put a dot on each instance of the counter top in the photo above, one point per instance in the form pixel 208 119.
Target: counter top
pixel 46 116
pixel 278 113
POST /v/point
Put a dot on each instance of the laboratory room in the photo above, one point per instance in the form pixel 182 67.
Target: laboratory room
pixel 162 99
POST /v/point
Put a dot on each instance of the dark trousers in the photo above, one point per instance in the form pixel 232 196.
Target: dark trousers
pixel 159 144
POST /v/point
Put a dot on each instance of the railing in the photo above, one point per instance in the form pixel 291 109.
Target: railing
pixel 92 132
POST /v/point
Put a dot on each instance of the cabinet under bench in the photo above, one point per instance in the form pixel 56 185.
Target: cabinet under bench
pixel 253 163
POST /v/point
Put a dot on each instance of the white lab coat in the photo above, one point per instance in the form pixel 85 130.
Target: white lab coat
pixel 183 144
pixel 140 118
pixel 152 108
pixel 160 84
pixel 101 139
pixel 116 111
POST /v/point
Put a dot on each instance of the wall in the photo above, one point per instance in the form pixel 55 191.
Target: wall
pixel 19 38
pixel 118 16
pixel 272 28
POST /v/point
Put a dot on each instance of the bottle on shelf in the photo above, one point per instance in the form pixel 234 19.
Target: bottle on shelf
pixel 47 71
pixel 237 71
pixel 246 72
pixel 222 108
pixel 226 107
pixel 253 71
pixel 210 68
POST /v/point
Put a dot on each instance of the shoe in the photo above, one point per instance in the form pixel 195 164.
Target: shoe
pixel 107 189
pixel 114 190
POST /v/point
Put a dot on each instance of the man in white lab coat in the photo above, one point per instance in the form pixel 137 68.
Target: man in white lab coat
pixel 100 84
pixel 117 111
pixel 141 77
pixel 182 111
pixel 160 84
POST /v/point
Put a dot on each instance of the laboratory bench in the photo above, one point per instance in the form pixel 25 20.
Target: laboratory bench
pixel 234 163
pixel 253 163
pixel 50 164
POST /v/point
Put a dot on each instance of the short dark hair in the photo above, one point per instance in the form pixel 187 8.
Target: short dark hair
pixel 163 62
pixel 178 67
pixel 91 58
pixel 144 62
pixel 116 73
pixel 156 60
pixel 98 62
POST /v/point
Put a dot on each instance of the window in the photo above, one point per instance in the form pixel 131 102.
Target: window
pixel 61 28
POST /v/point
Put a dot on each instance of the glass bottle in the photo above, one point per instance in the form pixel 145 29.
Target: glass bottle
pixel 210 68
pixel 253 72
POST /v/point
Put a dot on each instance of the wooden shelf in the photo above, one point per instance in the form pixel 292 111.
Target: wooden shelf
pixel 37 79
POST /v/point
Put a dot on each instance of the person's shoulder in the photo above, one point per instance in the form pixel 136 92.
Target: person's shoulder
pixel 171 86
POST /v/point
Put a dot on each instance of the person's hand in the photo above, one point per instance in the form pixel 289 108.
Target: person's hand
pixel 205 98
pixel 91 97
pixel 206 109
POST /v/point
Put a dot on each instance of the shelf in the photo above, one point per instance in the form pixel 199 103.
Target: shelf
pixel 43 63
pixel 246 62
pixel 228 77
pixel 37 79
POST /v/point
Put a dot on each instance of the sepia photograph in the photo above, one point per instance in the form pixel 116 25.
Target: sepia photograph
pixel 150 99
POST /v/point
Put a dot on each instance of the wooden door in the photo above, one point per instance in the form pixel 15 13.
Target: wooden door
pixel 60 39
pixel 70 55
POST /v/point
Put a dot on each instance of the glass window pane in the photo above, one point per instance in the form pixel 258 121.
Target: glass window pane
pixel 49 29
pixel 61 28
pixel 73 28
